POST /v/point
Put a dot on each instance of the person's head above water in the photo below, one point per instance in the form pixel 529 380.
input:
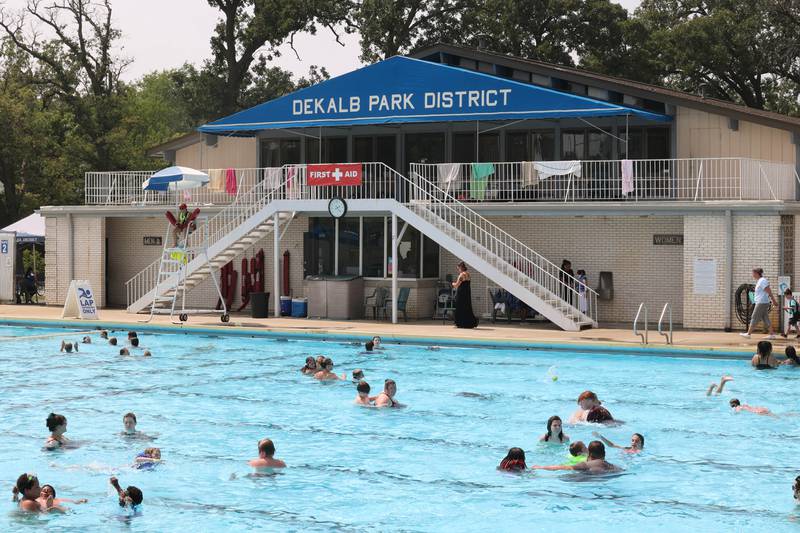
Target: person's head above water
pixel 376 341
pixel 327 364
pixel 363 387
pixel 764 348
pixel 112 341
pixel 358 374
pixel 132 335
pixel 796 488
pixel 266 448
pixel 310 362
pixel 637 441
pixel 597 450
pixel 320 361
pixel 124 351
pixel 48 491
pixel 587 400
pixel 87 340
pixel 66 346
pixel 554 426
pixel 152 453
pixel 514 460
pixel 578 448
pixel 129 421
pixel 369 346
pixel 791 353
pixel 28 486
pixel 135 342
pixel 734 402
pixel 103 334
pixel 390 387
pixel 56 423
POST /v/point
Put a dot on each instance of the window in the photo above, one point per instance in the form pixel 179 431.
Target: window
pixel 408 250
pixel 362 149
pixel 380 149
pixel 572 145
pixel 544 145
pixel 318 247
pixel 277 152
pixel 635 149
pixel 374 235
pixel 463 147
pixel 658 143
pixel 349 246
pixel 517 146
pixel 334 150
pixel 598 145
pixel 430 258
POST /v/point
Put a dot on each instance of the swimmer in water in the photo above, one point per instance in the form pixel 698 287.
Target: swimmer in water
pixel 386 398
pixel 637 442
pixel 595 464
pixel 376 343
pixel 791 357
pixel 134 342
pixel 738 407
pixel 357 376
pixel 147 353
pixel 28 488
pixel 148 459
pixel 433 348
pixel 103 334
pixel 362 394
pixel 132 335
pixel 131 497
pixel 68 347
pixel 112 341
pixel 124 351
pixel 48 498
pixel 514 461
pixel 578 452
pixel 764 359
pixel 590 410
pixel 796 489
pixel 554 434
pixel 310 368
pixel 57 424
pixel 369 346
pixel 87 340
pixel 266 450
pixel 320 363
pixel 327 372
pixel 722 382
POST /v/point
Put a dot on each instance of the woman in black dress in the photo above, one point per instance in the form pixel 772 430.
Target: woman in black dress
pixel 464 316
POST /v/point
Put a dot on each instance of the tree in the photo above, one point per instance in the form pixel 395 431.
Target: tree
pixel 77 64
pixel 249 27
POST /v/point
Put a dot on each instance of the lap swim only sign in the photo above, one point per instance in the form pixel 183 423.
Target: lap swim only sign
pixel 465 99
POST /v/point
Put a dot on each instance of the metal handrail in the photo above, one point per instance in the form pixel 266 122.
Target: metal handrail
pixel 667 336
pixel 636 320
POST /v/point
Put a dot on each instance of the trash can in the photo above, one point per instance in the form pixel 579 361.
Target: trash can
pixel 299 307
pixel 259 304
pixel 286 305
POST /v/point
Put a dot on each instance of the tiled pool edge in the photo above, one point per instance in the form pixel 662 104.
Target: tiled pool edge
pixel 324 335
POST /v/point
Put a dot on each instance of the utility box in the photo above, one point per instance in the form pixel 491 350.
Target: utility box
pixel 336 297
pixel 605 290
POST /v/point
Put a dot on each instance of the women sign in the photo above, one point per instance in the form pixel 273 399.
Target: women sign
pixel 334 174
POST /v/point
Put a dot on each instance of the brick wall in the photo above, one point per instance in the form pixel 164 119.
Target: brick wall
pixel 643 272
pixel 89 255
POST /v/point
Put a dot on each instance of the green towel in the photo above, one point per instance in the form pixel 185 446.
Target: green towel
pixel 480 179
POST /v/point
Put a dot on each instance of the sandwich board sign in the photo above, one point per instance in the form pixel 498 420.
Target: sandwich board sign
pixel 80 301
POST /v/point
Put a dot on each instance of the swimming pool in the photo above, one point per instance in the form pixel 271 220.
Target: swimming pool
pixel 430 467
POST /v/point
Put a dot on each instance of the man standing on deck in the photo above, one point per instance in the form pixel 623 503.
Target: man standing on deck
pixel 763 296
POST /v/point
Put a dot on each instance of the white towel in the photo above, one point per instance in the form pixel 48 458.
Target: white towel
pixel 216 179
pixel 530 176
pixel 449 175
pixel 272 177
pixel 627 176
pixel 545 169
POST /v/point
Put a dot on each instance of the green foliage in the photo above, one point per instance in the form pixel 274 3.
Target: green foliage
pixel 32 258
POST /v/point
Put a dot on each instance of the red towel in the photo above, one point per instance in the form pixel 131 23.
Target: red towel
pixel 230 182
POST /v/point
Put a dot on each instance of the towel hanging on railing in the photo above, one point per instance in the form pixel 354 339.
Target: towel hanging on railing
pixel 557 168
pixel 530 176
pixel 627 177
pixel 272 177
pixel 449 175
pixel 216 181
pixel 230 182
pixel 480 179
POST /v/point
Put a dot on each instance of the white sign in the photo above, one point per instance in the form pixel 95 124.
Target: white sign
pixel 705 276
pixel 80 301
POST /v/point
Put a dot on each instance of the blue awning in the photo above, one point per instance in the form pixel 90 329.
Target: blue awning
pixel 402 90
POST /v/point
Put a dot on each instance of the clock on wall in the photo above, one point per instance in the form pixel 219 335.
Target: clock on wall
pixel 337 207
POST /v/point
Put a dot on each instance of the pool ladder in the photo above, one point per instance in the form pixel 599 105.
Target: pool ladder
pixel 645 338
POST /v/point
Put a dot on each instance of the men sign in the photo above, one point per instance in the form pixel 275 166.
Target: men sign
pixel 334 174
pixel 80 301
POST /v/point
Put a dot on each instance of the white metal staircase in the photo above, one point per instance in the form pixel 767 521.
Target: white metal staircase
pixel 234 229
pixel 490 250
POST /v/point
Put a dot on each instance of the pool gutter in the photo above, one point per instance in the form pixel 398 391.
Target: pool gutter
pixel 323 335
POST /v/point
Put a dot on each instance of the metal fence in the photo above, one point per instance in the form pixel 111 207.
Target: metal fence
pixel 592 181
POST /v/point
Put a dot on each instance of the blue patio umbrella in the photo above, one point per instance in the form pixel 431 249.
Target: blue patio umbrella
pixel 176 179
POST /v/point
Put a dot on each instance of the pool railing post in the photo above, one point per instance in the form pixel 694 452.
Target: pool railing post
pixel 395 264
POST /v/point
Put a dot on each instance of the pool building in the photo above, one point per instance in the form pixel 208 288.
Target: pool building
pixel 453 154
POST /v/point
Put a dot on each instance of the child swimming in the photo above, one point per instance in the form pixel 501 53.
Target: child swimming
pixel 130 498
pixel 148 459
pixel 57 424
pixel 362 394
pixel 637 442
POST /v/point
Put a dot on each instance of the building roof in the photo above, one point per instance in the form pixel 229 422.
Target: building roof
pixel 402 90
pixel 634 88
pixel 182 141
pixel 32 226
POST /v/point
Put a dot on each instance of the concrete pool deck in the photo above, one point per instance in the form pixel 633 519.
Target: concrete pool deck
pixel 534 334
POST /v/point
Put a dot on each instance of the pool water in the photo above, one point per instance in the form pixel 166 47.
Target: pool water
pixel 429 467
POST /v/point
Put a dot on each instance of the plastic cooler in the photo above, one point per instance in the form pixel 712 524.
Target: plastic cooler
pixel 286 305
pixel 299 307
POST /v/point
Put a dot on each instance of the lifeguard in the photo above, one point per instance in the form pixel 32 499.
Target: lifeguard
pixel 183 221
